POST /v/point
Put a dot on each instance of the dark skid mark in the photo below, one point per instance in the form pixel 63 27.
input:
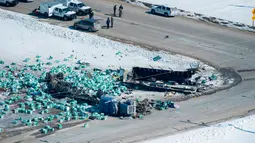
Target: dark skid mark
pixel 246 70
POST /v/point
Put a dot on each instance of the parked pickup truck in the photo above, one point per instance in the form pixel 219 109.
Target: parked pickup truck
pixel 79 7
pixel 9 2
pixel 49 9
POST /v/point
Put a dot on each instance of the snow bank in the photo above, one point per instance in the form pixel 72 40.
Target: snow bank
pixel 239 19
pixel 134 2
pixel 235 131
pixel 233 10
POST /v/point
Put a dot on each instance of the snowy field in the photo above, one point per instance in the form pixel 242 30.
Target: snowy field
pixel 25 37
pixel 235 131
pixel 232 10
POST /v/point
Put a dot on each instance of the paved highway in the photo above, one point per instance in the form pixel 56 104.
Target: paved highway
pixel 220 46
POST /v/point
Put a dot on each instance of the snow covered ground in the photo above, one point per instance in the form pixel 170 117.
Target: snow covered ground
pixel 233 10
pixel 235 131
pixel 26 37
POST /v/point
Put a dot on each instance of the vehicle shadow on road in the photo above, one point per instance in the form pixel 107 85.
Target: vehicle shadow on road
pixel 80 30
pixel 37 15
pixel 104 27
pixel 111 14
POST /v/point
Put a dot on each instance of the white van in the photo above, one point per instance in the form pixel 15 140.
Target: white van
pixel 57 9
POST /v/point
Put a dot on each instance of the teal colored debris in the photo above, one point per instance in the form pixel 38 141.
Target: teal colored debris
pixel 60 126
pixel 203 81
pixel 118 53
pixel 46 111
pixel 49 63
pixel 65 59
pixel 75 117
pixel 44 131
pixel 86 125
pixel 45 121
pixel 104 117
pixel 40 118
pixel 18 119
pixel 51 129
pixel 82 118
pixel 67 118
pixel 213 77
pixel 71 56
pixel 35 119
pixel 37 60
pixel 140 116
pixel 79 62
pixel 28 124
pixel 14 122
pixel 6 107
pixel 1 62
pixel 35 123
pixel 16 110
pixel 50 58
pixel 61 120
pixel 29 112
pixel 1 130
pixel 41 112
pixel 156 58
pixel 13 64
pixel 26 60
pixel 57 61
pixel 38 56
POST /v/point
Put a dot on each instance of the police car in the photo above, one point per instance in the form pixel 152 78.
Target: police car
pixel 164 10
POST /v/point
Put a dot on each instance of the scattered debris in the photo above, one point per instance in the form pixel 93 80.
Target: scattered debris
pixel 118 53
pixel 156 58
pixel 62 93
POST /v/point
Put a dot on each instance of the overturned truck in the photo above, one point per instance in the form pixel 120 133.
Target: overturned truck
pixel 161 80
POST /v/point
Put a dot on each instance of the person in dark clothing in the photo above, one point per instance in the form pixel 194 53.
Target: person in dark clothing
pixel 120 10
pixel 114 10
pixel 91 14
pixel 108 23
pixel 121 7
pixel 112 22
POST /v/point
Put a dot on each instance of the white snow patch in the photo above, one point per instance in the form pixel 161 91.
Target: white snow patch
pixel 234 131
pixel 134 2
pixel 233 10
pixel 26 37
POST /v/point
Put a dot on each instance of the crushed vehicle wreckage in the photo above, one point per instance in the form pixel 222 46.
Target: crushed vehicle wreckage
pixel 141 78
pixel 60 88
pixel 161 80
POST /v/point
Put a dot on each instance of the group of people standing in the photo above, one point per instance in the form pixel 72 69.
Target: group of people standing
pixel 109 21
pixel 120 10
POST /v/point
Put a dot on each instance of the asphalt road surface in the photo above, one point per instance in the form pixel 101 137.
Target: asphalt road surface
pixel 220 46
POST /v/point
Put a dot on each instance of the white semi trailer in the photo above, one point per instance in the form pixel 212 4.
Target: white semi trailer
pixel 49 9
